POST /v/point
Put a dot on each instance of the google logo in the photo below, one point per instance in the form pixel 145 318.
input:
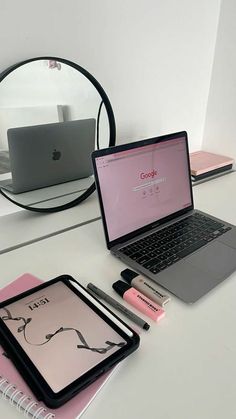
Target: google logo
pixel 148 175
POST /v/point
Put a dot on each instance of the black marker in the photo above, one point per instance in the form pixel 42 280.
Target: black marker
pixel 139 282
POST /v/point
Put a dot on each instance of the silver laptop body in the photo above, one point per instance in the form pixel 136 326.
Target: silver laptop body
pixel 149 220
pixel 49 154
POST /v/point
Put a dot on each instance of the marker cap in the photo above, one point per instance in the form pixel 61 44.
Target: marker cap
pixel 120 287
pixel 128 275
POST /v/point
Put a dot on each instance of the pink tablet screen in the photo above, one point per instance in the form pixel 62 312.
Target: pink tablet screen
pixel 62 336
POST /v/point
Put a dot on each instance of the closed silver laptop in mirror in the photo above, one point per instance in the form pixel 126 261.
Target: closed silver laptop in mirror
pixel 49 154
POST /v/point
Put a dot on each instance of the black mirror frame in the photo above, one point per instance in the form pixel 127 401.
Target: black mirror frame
pixel 111 118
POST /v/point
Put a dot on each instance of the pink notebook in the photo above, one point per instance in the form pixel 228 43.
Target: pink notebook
pixel 15 390
pixel 203 161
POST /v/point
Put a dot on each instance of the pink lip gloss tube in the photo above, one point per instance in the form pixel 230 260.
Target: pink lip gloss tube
pixel 138 300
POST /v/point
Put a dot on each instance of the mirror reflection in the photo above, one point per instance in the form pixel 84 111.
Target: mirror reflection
pixel 51 118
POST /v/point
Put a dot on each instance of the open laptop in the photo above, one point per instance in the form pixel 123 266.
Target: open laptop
pixel 146 201
pixel 49 154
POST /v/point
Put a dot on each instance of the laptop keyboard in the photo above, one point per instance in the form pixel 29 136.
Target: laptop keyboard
pixel 167 246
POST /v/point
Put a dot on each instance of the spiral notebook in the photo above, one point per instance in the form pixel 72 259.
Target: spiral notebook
pixel 15 390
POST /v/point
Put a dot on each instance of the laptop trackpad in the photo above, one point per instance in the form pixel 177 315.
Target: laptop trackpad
pixel 217 258
pixel 193 277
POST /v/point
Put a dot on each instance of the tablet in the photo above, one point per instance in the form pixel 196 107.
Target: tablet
pixel 61 338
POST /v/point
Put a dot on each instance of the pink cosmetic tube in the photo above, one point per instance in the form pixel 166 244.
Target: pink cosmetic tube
pixel 139 300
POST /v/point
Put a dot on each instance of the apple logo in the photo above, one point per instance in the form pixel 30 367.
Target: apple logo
pixel 56 155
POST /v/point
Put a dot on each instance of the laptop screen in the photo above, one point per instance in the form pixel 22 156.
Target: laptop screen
pixel 141 185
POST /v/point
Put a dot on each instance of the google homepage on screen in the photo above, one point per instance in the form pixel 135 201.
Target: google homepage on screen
pixel 142 185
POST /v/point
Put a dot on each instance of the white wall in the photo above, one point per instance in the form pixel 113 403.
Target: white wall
pixel 34 89
pixel 220 127
pixel 153 57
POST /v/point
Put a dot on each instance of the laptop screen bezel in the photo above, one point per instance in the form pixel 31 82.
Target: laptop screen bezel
pixel 130 146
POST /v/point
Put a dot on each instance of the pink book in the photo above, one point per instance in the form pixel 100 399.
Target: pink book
pixel 203 162
pixel 15 390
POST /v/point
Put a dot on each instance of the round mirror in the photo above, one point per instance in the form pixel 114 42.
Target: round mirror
pixel 53 114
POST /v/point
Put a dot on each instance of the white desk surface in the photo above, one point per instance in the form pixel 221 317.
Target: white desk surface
pixel 23 227
pixel 185 367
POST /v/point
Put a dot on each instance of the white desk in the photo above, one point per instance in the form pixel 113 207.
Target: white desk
pixel 24 227
pixel 186 365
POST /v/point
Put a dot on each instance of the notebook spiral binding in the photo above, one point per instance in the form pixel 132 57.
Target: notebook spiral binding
pixel 22 402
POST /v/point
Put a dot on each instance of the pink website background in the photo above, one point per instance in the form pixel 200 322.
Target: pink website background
pixel 140 187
